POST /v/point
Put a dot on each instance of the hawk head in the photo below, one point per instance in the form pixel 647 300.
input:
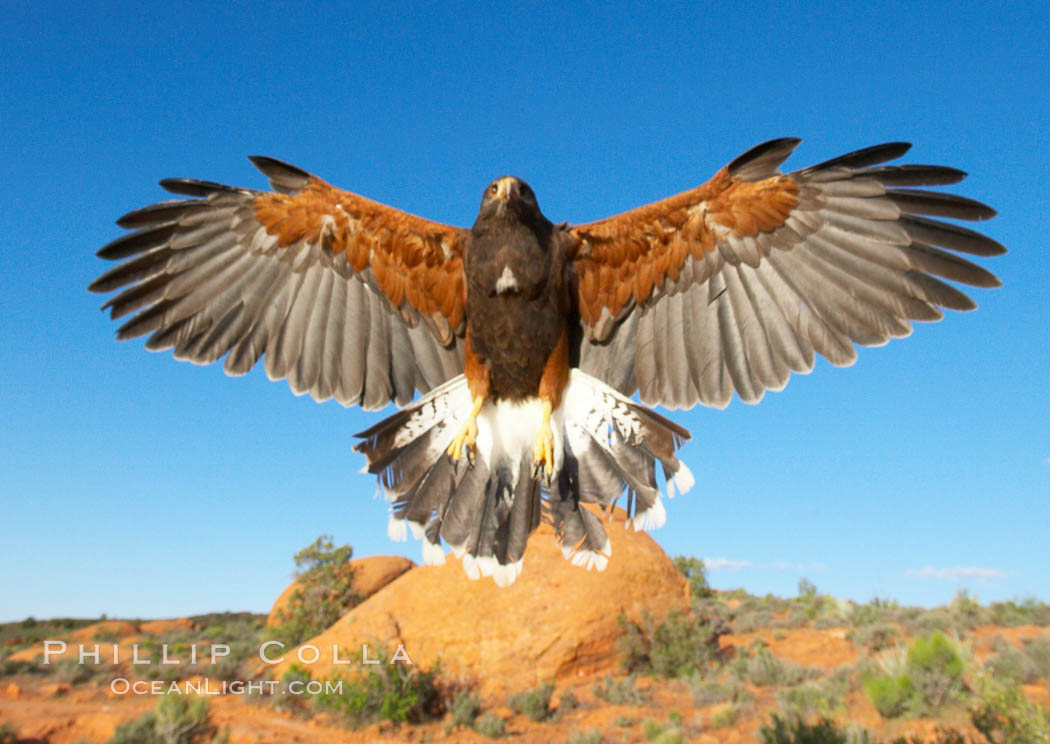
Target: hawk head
pixel 509 198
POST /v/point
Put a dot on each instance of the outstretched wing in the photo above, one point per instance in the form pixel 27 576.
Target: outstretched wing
pixel 347 298
pixel 734 284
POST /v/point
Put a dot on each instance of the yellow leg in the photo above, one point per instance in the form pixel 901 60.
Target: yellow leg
pixel 544 451
pixel 467 436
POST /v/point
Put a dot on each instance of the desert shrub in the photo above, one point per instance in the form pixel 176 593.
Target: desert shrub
pixel 8 733
pixel 966 611
pixel 797 731
pixel 958 617
pixel 567 701
pixel 662 733
pixel 856 734
pixel 465 709
pixel 919 680
pixel 824 731
pixel 243 634
pixel 157 671
pixel 764 612
pixel 490 725
pixel 1026 664
pixel 1038 653
pixel 594 736
pixel 177 719
pixel 763 669
pixel 1011 664
pixel 938 620
pixel 231 630
pixel 875 637
pixel 890 693
pixel 324 594
pixel 619 692
pixel 694 570
pixel 828 620
pixel 937 667
pixel 709 691
pixel 71 672
pixel 138 731
pixel 725 716
pixel 284 700
pixel 823 698
pixel 534 703
pixel 749 622
pixel 889 686
pixel 391 692
pixel 914 620
pixel 232 667
pixel 799 616
pixel 22 634
pixel 224 624
pixel 1003 715
pixel 151 666
pixel 750 612
pixel 10 667
pixel 106 636
pixel 1026 612
pixel 940 736
pixel 879 611
pixel 812 608
pixel 679 646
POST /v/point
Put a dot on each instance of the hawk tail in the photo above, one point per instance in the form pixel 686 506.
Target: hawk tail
pixel 485 509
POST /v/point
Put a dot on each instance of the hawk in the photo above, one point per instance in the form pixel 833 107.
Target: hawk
pixel 527 340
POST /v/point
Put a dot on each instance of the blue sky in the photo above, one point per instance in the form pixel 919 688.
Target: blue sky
pixel 139 486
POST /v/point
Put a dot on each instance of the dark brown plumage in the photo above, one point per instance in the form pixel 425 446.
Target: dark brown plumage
pixel 517 296
pixel 527 339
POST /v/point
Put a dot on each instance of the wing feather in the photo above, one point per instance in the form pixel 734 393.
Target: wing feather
pixel 379 388
pixel 716 382
pixel 345 297
pixel 355 343
pixel 736 283
pixel 733 329
pixel 798 348
pixel 334 337
pixel 770 359
pixel 309 365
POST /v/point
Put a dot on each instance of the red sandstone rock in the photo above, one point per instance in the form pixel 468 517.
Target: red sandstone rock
pixel 557 621
pixel 160 627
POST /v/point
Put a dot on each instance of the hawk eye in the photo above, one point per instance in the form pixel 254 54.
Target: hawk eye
pixel 494 188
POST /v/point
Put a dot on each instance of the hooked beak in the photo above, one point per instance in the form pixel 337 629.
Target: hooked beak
pixel 506 189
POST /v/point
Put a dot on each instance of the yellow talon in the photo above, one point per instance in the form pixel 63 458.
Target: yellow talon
pixel 544 451
pixel 467 436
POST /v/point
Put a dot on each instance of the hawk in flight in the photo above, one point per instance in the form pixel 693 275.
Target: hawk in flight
pixel 527 340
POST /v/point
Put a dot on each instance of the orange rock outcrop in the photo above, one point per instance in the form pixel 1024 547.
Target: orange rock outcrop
pixel 557 621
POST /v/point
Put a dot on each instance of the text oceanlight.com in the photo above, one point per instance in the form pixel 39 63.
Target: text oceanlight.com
pixel 124 686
